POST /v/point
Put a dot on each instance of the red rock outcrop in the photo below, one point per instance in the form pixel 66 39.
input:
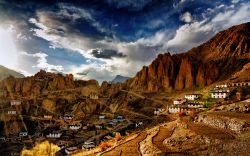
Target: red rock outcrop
pixel 217 59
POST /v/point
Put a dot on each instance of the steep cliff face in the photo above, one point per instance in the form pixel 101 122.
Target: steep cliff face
pixel 217 59
pixel 160 72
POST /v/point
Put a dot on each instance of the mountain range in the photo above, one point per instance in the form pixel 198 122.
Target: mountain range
pixel 120 78
pixel 224 57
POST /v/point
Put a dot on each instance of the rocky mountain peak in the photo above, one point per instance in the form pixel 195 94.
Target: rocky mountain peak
pixel 228 50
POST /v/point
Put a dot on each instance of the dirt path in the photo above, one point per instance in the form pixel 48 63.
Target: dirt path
pixel 130 148
pixel 161 136
pixel 133 93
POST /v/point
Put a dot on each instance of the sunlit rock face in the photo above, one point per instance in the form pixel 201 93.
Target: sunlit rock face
pixel 219 58
pixel 42 149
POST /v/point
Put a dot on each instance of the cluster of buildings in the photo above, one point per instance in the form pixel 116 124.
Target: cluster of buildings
pixel 220 91
pixel 14 104
pixel 87 145
pixel 192 102
pixel 21 136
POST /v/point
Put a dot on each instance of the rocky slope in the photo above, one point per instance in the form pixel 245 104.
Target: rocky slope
pixel 42 82
pixel 5 72
pixel 227 51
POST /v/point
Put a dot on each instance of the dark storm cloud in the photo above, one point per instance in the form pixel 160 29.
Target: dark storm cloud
pixel 106 53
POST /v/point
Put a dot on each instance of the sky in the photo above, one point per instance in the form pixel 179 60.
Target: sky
pixel 99 39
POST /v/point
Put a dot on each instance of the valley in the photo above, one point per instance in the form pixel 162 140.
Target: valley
pixel 194 103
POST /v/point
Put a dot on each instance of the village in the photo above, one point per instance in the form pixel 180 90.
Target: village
pixel 219 94
pixel 67 131
pixel 72 134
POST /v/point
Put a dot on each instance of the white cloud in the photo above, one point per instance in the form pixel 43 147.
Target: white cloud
pixel 138 53
pixel 235 1
pixel 186 17
pixel 221 6
pixel 190 35
pixel 223 16
pixel 195 33
pixel 8 48
pixel 42 62
pixel 73 13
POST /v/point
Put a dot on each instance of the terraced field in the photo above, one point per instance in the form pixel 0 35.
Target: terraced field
pixel 130 148
pixel 161 136
pixel 202 129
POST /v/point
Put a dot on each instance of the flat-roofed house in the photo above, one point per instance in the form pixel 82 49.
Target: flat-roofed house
pixel 222 86
pixel 68 117
pixel 23 134
pixel 12 112
pixel 75 127
pixel 47 116
pixel 219 94
pixel 179 101
pixel 192 96
pixel 15 103
pixel 194 105
pixel 174 110
pixel 101 117
pixel 235 84
pixel 54 135
pixel 71 150
pixel 88 145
